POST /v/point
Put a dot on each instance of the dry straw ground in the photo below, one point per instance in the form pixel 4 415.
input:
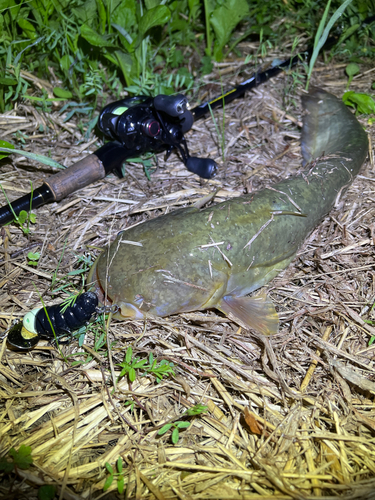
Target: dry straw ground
pixel 295 419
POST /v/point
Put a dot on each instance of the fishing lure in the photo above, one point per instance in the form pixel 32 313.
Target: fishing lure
pixel 57 320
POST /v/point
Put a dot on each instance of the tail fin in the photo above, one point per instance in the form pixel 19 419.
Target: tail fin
pixel 328 125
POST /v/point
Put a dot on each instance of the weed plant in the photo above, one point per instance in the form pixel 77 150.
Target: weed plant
pixel 92 49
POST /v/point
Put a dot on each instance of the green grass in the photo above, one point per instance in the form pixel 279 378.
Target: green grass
pixel 130 366
pixel 21 459
pixel 98 48
pixel 23 217
pixel 324 31
pixel 119 476
pixel 101 45
pixel 196 410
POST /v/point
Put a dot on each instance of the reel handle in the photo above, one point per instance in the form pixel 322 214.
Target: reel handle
pixel 204 167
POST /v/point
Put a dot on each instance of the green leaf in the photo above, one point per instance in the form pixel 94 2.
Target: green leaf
pixel 43 99
pixel 207 65
pixel 352 69
pixel 108 482
pixel 131 403
pixel 139 364
pixel 182 425
pixel 321 36
pixel 347 33
pixel 164 368
pixel 126 62
pixel 120 484
pixel 7 145
pixel 86 12
pixel 32 156
pixel 13 7
pixel 157 16
pixel 363 103
pixel 129 354
pixel 109 467
pixel 119 464
pixel 322 23
pixel 33 256
pixel 8 81
pixel 127 40
pixel 123 372
pixel 102 15
pixel 124 16
pixel 197 410
pixel 65 94
pixel 151 3
pixel 22 217
pixel 75 272
pixel 65 62
pixel 177 58
pixel 46 492
pixel 19 55
pixel 27 28
pixel 224 19
pixel 94 38
pixel 23 451
pixel 175 435
pixel 5 465
pixel 32 217
pixel 164 429
pixel 132 375
pixel 22 458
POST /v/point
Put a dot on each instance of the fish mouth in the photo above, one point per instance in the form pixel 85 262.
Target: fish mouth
pixel 94 281
pixel 120 310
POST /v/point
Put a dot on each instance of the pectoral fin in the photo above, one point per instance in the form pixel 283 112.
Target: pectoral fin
pixel 257 312
pixel 129 311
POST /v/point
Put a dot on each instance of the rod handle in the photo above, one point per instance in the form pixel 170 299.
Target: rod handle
pixel 77 176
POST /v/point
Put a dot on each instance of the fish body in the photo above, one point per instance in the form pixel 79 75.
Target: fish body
pixel 194 259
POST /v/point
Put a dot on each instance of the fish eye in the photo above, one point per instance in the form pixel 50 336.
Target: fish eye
pixel 138 298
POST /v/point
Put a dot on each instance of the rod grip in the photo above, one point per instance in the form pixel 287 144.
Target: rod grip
pixel 78 176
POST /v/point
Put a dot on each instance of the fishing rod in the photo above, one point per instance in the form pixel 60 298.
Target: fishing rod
pixel 136 125
pixel 141 124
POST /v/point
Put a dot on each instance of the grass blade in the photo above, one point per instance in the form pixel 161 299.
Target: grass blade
pixel 322 34
pixel 33 156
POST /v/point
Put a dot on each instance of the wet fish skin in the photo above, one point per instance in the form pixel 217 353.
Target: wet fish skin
pixel 195 259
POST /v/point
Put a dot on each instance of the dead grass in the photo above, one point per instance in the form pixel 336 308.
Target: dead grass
pixel 291 418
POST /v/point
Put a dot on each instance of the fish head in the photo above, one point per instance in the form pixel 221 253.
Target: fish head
pixel 161 276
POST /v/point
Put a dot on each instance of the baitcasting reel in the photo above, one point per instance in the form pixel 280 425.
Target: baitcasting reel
pixel 136 125
pixel 142 124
